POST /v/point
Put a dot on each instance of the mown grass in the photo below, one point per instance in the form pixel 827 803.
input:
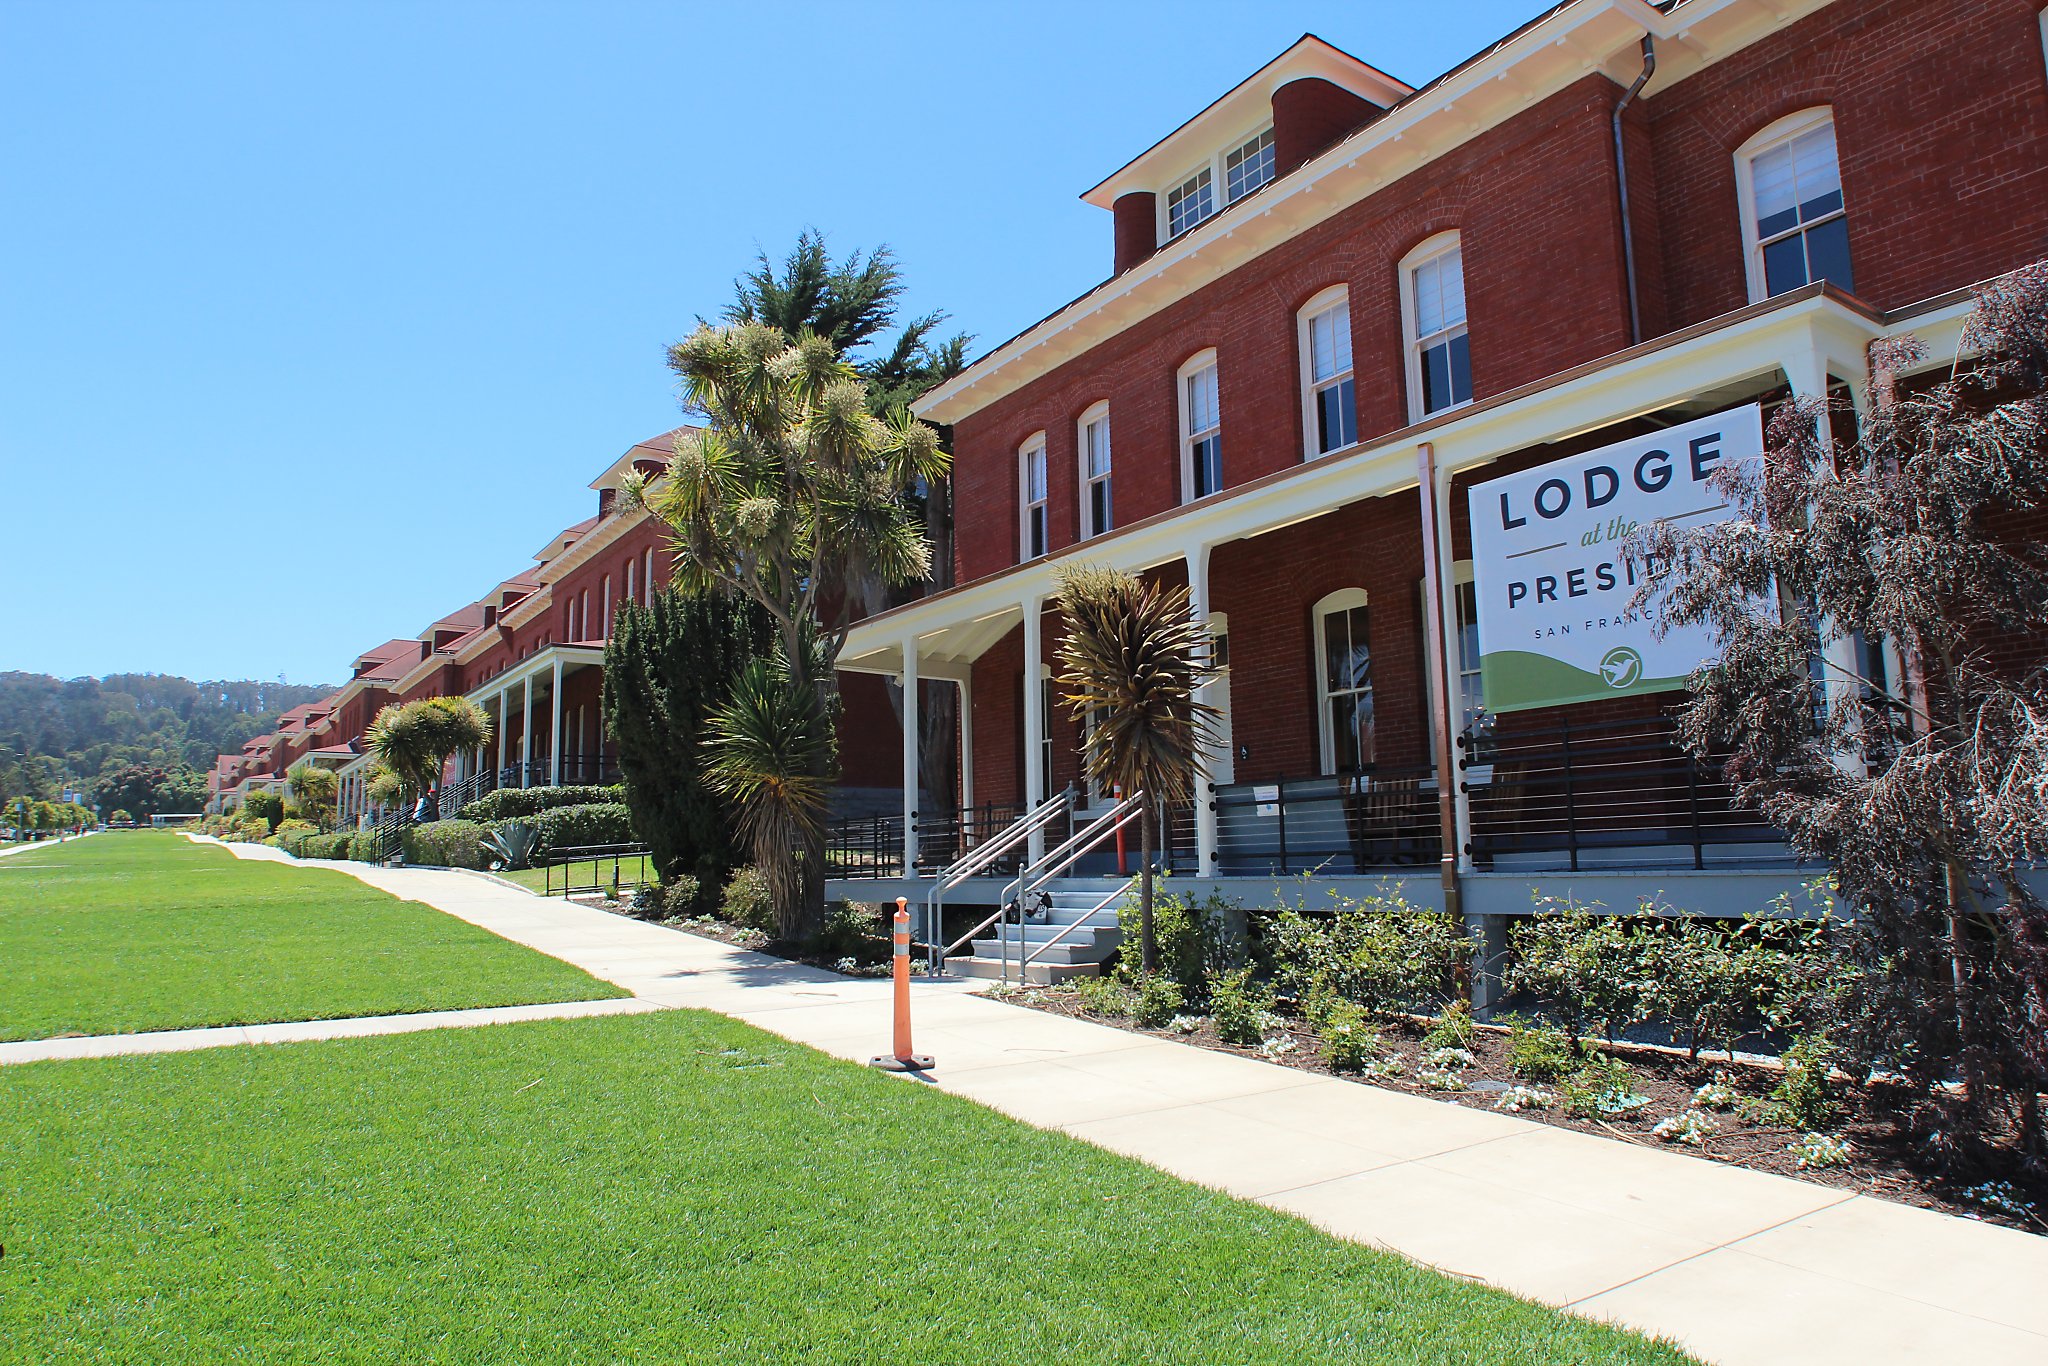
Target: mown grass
pixel 142 930
pixel 665 1188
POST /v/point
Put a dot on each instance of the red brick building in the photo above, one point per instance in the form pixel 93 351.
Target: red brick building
pixel 1337 302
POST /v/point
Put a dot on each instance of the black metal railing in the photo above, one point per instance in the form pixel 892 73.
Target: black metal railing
pixel 867 847
pixel 1614 792
pixel 1384 817
pixel 943 837
pixel 589 770
pixel 606 868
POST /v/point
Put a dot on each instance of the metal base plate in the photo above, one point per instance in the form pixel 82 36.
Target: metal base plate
pixel 889 1062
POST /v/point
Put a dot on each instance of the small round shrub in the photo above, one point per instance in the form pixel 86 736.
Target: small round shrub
pixel 1240 1010
pixel 1159 999
pixel 747 901
pixel 681 895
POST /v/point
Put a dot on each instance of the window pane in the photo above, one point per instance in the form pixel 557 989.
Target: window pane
pixel 1436 378
pixel 1785 264
pixel 1439 293
pixel 1249 167
pixel 1336 420
pixel 1827 253
pixel 1460 369
pixel 1037 532
pixel 1099 508
pixel 1329 335
pixel 1201 400
pixel 1189 203
pixel 1097 438
pixel 1034 476
pixel 1358 662
pixel 1207 458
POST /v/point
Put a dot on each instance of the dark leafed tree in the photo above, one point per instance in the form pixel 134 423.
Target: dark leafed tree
pixel 667 668
pixel 1911 524
pixel 1129 663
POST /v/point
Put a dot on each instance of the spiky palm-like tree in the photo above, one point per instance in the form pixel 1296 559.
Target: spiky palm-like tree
pixel 792 495
pixel 1130 663
pixel 414 740
pixel 769 751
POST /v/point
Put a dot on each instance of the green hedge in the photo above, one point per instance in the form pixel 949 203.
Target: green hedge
pixel 334 846
pixel 569 827
pixel 509 802
pixel 364 846
pixel 445 844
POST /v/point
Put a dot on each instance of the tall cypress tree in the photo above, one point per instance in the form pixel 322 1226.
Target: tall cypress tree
pixel 667 667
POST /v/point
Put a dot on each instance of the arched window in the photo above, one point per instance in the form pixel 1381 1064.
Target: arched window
pixel 632 594
pixel 1795 227
pixel 650 576
pixel 1344 681
pixel 1098 509
pixel 1329 401
pixel 607 608
pixel 1201 428
pixel 1033 505
pixel 1433 322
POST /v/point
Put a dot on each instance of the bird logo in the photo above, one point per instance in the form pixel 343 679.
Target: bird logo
pixel 1621 666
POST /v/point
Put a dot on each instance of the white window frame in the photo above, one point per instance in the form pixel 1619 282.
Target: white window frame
pixel 1189 368
pixel 1097 412
pixel 1464 667
pixel 1426 251
pixel 1217 166
pixel 1344 599
pixel 1771 135
pixel 607 607
pixel 1033 445
pixel 648 587
pixel 1264 137
pixel 1337 297
pixel 632 580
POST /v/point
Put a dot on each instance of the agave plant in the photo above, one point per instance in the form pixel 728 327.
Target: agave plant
pixel 514 844
pixel 1131 660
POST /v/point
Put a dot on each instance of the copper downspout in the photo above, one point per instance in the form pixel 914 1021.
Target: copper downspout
pixel 1440 678
pixel 1628 236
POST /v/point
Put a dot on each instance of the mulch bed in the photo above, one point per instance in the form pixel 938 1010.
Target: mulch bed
pixel 1879 1164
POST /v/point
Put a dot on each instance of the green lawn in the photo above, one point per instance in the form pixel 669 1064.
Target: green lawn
pixel 143 930
pixel 663 1188
pixel 585 872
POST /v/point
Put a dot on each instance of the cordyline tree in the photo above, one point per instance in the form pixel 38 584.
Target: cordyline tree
pixel 1130 663
pixel 852 303
pixel 315 790
pixel 1929 797
pixel 794 491
pixel 667 667
pixel 415 740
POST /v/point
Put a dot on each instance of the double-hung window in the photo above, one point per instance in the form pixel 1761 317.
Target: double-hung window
pixel 1433 311
pixel 1344 681
pixel 1189 202
pixel 1201 429
pixel 1329 400
pixel 1793 218
pixel 1098 512
pixel 1247 167
pixel 1033 501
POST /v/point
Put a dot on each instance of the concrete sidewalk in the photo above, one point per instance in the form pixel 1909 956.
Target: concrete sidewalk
pixel 1740 1266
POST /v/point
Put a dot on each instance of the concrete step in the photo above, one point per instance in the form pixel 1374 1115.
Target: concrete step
pixel 1038 932
pixel 1039 974
pixel 1066 951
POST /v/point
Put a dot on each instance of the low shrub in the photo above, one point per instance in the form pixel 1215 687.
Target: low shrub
pixel 1196 940
pixel 1805 1095
pixel 1381 954
pixel 290 832
pixel 578 827
pixel 852 929
pixel 335 846
pixel 1601 1089
pixel 1580 961
pixel 1104 997
pixel 509 802
pixel 1241 1010
pixel 747 901
pixel 445 844
pixel 1349 1041
pixel 1539 1052
pixel 1159 999
pixel 365 846
pixel 1452 1029
pixel 682 895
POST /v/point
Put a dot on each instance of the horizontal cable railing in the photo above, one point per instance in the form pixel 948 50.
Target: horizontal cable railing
pixel 944 837
pixel 1616 791
pixel 1385 817
pixel 595 868
pixel 869 847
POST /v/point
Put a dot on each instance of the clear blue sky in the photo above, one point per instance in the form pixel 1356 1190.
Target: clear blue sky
pixel 316 319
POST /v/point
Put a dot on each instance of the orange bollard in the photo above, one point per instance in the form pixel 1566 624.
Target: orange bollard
pixel 904 1059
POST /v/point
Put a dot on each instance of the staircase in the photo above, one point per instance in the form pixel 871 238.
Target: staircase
pixel 1070 934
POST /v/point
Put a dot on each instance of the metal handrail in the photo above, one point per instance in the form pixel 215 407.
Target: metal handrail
pixel 1098 908
pixel 978 858
pixel 1037 874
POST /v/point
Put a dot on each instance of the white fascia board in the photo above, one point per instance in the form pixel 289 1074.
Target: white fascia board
pixel 541 661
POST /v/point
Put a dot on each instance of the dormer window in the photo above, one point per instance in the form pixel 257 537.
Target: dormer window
pixel 1248 167
pixel 1190 202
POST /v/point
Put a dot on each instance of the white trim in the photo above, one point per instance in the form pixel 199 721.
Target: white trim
pixel 648 587
pixel 1336 297
pixel 1343 600
pixel 1773 134
pixel 1033 445
pixel 1429 249
pixel 1189 368
pixel 1085 484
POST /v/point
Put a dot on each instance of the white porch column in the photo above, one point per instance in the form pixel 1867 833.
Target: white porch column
pixel 1808 375
pixel 912 726
pixel 1034 720
pixel 966 683
pixel 555 728
pixel 526 731
pixel 501 736
pixel 1203 789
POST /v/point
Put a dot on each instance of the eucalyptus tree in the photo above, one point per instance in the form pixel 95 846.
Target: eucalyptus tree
pixel 1130 662
pixel 793 493
pixel 1925 793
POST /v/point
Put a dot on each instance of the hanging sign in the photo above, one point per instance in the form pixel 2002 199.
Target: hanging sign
pixel 1552 583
